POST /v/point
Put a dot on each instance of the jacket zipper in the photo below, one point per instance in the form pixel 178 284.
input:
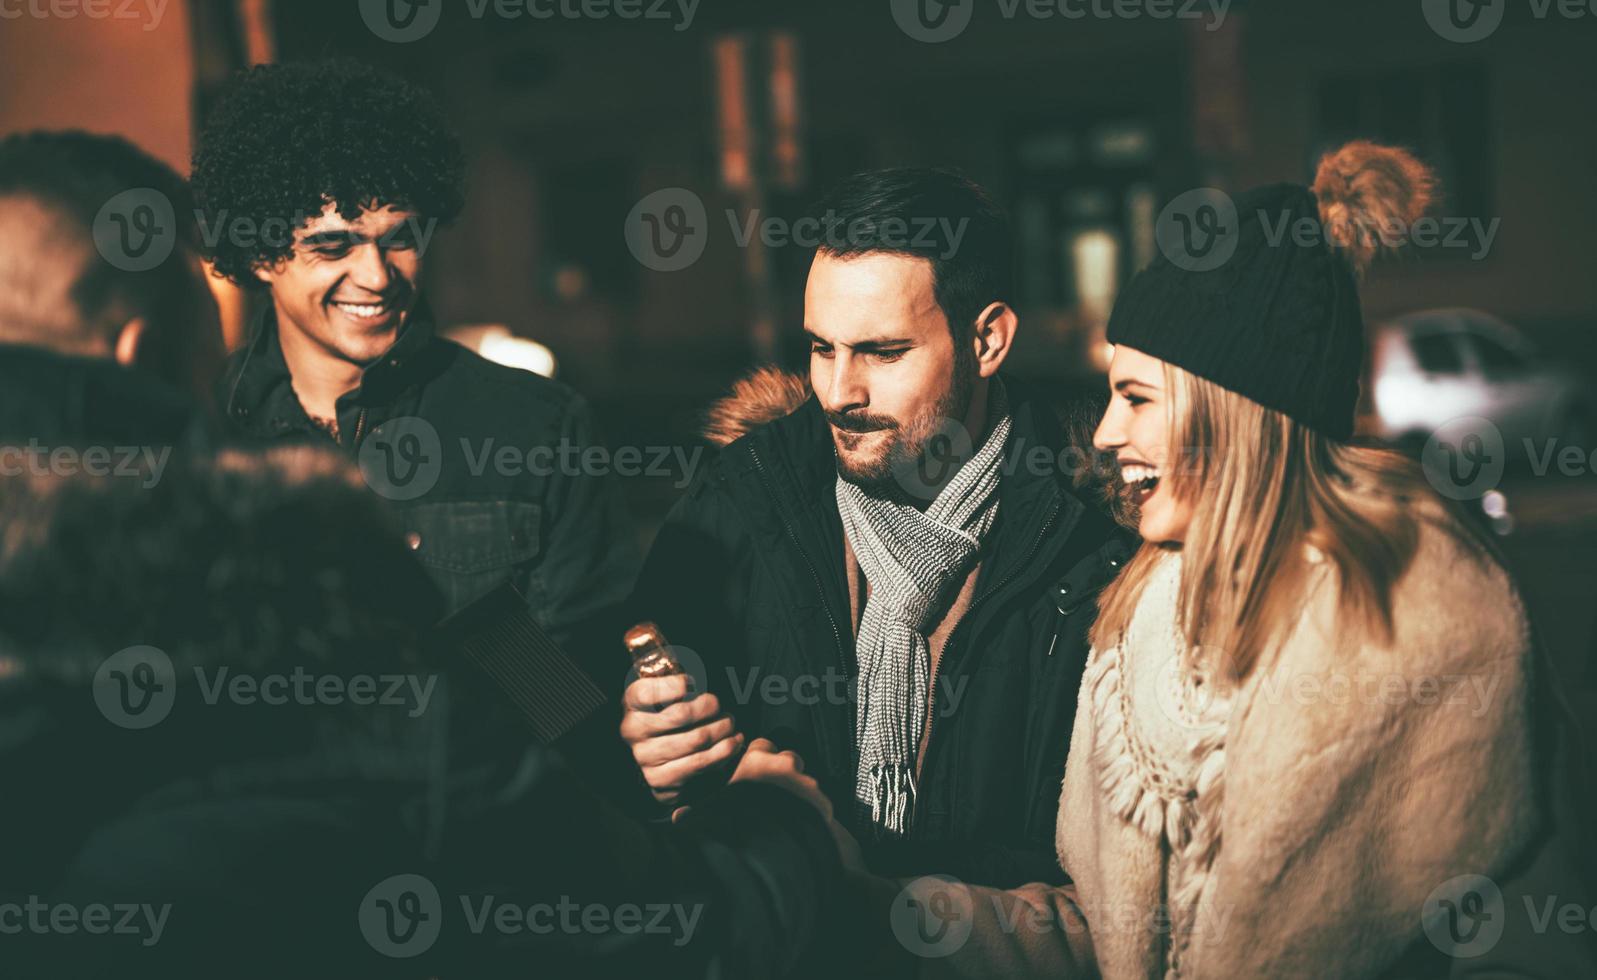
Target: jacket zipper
pixel 948 648
pixel 360 426
pixel 820 589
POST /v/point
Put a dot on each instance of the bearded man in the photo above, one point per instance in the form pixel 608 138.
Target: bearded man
pixel 887 571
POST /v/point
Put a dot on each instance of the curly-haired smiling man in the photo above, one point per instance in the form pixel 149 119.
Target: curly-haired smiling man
pixel 322 184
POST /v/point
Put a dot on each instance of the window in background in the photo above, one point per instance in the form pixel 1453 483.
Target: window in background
pixel 1082 207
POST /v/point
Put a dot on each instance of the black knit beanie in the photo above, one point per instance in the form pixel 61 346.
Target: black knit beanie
pixel 1259 295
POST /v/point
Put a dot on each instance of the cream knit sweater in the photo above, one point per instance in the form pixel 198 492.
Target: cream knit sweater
pixel 1295 826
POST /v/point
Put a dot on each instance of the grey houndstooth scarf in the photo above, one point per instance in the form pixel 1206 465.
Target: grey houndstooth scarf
pixel 910 558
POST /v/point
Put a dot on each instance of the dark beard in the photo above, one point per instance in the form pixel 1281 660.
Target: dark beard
pixel 887 476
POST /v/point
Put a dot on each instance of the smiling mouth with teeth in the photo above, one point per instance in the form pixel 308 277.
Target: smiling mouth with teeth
pixel 366 311
pixel 1140 478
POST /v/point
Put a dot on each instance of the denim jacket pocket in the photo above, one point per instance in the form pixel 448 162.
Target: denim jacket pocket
pixel 472 547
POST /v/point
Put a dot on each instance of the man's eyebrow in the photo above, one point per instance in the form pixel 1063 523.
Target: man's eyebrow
pixel 889 343
pixel 869 345
pixel 340 236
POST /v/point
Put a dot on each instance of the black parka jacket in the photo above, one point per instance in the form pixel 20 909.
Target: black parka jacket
pixel 749 574
pixel 50 400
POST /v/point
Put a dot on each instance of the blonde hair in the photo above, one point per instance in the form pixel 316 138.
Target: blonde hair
pixel 1263 487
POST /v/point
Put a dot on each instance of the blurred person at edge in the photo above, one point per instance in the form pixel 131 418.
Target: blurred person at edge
pixel 1218 818
pixel 92 353
pixel 265 828
pixel 336 177
pixel 882 527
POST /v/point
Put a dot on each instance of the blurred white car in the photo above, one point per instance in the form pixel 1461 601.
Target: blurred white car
pixel 1431 367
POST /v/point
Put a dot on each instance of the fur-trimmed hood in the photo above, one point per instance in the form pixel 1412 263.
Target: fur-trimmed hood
pixel 764 396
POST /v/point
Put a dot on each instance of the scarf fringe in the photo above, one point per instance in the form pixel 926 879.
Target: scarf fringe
pixel 1196 859
pixel 892 798
pixel 1151 798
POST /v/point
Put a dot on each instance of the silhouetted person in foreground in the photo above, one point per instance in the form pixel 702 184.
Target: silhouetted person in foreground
pixel 225 732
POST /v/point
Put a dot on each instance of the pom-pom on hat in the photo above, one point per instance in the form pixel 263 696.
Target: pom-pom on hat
pixel 1273 313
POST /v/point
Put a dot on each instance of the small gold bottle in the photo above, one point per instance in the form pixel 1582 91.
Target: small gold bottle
pixel 651 654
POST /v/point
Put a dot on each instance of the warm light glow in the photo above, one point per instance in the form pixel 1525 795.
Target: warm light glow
pixel 732 98
pixel 1095 255
pixel 496 343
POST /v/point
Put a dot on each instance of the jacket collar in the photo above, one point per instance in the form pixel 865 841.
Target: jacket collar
pixel 72 400
pixel 1036 501
pixel 258 395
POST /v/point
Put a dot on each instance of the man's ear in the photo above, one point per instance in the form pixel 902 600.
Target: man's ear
pixel 129 342
pixel 993 336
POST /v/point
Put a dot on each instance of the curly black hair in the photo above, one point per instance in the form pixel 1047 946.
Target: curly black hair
pixel 286 140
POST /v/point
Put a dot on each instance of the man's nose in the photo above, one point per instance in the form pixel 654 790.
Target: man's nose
pixel 844 384
pixel 369 268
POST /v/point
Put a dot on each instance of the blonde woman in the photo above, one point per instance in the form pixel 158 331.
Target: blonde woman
pixel 1305 719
